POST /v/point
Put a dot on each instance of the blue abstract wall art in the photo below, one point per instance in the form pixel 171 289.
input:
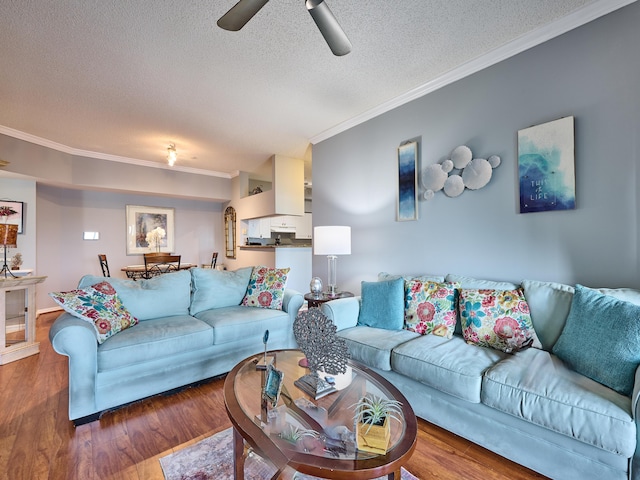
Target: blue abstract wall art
pixel 407 182
pixel 546 166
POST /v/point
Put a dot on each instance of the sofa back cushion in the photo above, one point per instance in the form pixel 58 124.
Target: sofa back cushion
pixel 549 304
pixel 162 296
pixel 217 288
pixel 601 339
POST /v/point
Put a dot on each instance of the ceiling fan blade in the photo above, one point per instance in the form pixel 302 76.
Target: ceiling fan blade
pixel 329 27
pixel 240 14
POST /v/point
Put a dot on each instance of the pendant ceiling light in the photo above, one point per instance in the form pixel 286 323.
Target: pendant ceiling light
pixel 243 11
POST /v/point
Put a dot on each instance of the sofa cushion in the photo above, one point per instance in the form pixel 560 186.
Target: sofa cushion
pixel 479 283
pixel 601 339
pixel 151 339
pixel 217 288
pixel 534 385
pixel 497 318
pixel 427 277
pixel 431 307
pixel 382 304
pixel 266 287
pixel 373 346
pixel 162 296
pixel 449 365
pixel 549 304
pixel 100 306
pixel 235 323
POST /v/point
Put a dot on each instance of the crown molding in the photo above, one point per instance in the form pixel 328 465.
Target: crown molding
pixel 529 40
pixel 43 142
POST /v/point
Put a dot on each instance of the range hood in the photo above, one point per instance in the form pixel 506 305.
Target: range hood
pixel 283 228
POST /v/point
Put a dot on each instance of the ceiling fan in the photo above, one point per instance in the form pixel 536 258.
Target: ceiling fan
pixel 244 10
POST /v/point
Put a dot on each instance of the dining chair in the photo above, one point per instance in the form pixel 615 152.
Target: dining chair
pixel 214 260
pixel 104 265
pixel 157 264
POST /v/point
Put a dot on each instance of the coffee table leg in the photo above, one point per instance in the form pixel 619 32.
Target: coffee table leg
pixel 397 475
pixel 238 456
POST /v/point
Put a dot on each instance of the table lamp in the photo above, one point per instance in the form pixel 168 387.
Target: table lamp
pixel 332 241
pixel 8 238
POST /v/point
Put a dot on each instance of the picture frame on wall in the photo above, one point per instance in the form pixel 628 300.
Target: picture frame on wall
pixel 141 220
pixel 407 182
pixel 546 166
pixel 16 218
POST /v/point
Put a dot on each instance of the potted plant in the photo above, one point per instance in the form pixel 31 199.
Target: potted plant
pixel 373 415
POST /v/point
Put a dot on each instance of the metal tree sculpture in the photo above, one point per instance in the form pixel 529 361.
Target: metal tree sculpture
pixel 316 337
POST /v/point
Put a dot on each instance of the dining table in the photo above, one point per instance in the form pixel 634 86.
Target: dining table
pixel 138 271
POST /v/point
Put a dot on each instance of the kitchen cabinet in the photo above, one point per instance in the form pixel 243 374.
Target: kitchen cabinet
pixel 259 228
pixel 283 223
pixel 304 227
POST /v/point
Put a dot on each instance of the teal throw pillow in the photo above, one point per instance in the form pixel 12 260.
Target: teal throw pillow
pixel 382 304
pixel 601 339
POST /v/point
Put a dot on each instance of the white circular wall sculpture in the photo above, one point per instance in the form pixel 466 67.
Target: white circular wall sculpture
pixel 457 173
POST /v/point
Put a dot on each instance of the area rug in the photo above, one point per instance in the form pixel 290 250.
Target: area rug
pixel 212 459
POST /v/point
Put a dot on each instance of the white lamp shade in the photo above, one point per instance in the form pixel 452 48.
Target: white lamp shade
pixel 332 240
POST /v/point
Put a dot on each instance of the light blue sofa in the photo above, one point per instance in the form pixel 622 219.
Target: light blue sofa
pixel 528 406
pixel 191 327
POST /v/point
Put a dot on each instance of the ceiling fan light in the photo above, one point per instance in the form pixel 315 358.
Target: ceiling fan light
pixel 238 16
pixel 329 27
pixel 172 155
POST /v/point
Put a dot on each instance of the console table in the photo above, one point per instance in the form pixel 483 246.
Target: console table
pixel 18 318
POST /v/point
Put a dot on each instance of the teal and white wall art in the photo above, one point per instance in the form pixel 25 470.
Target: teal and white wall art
pixel 407 182
pixel 546 166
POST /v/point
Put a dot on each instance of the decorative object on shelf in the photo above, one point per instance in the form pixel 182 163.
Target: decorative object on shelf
pixel 172 155
pixel 16 261
pixel 154 238
pixel 373 415
pixel 546 166
pixel 8 236
pixel 460 171
pixel 325 352
pixel 407 182
pixel 315 287
pixel 141 221
pixel 256 190
pixel 332 241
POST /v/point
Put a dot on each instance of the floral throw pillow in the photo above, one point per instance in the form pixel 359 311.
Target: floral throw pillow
pixel 430 307
pixel 498 319
pixel 266 288
pixel 99 305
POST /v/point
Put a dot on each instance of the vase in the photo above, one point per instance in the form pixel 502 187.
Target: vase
pixel 373 438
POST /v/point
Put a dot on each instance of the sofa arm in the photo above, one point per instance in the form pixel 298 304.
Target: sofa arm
pixel 343 312
pixel 635 412
pixel 77 339
pixel 292 302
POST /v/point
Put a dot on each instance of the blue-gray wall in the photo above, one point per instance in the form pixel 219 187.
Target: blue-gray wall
pixel 591 73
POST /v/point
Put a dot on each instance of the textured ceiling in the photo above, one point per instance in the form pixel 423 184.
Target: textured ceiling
pixel 128 77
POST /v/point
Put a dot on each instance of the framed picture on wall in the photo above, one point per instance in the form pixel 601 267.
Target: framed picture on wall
pixel 407 182
pixel 149 229
pixel 546 166
pixel 15 218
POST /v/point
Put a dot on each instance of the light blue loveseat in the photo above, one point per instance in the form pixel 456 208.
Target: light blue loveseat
pixel 528 407
pixel 191 327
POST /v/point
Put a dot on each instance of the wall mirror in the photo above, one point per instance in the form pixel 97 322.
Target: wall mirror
pixel 230 232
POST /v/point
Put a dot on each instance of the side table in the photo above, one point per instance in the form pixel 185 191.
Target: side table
pixel 314 301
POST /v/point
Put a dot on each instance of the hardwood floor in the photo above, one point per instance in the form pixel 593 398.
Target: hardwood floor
pixel 37 441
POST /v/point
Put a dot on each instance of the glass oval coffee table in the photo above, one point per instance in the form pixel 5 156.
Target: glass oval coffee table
pixel 312 436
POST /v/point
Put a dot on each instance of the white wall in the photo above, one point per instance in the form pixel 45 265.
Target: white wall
pixel 592 73
pixel 64 214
